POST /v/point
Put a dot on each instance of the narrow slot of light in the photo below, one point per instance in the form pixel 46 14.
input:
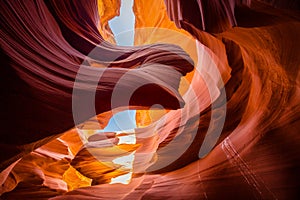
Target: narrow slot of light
pixel 123 179
pixel 122 28
pixel 125 161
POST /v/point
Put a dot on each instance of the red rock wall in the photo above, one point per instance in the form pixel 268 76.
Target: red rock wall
pixel 253 45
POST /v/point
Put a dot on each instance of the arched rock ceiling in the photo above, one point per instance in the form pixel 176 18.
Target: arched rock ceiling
pixel 248 56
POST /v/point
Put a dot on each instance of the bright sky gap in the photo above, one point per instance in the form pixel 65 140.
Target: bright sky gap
pixel 123 28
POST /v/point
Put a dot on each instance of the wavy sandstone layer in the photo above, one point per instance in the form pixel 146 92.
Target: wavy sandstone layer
pixel 226 73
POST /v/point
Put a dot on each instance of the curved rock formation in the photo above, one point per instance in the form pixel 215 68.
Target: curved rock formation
pixel 41 61
pixel 225 72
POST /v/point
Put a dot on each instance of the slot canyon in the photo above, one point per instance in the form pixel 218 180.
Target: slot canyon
pixel 150 99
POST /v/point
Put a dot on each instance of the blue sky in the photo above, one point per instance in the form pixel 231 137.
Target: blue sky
pixel 124 24
pixel 123 27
